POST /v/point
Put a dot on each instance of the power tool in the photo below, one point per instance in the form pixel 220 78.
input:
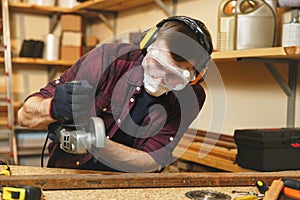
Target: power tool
pixel 6 171
pixel 77 136
pixel 77 140
pixel 21 193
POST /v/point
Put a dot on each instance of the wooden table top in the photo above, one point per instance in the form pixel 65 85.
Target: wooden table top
pixel 80 184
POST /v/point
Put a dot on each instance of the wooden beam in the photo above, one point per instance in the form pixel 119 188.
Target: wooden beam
pixel 144 180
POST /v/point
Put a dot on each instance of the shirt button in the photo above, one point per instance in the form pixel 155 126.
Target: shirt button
pixel 138 88
pixel 171 139
pixel 131 99
pixel 104 109
pixel 77 163
pixel 119 121
pixel 56 82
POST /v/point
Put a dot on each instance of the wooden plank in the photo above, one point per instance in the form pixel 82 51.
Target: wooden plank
pixel 212 150
pixel 209 160
pixel 144 180
pixel 211 138
pixel 30 8
pixel 272 52
pixel 39 61
pixel 129 4
pixel 32 170
pixel 217 150
pixel 110 5
pixel 213 141
pixel 221 136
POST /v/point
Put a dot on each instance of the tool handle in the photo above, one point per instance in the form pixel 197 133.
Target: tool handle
pixel 274 190
pixel 262 186
pixel 292 193
pixel 291 183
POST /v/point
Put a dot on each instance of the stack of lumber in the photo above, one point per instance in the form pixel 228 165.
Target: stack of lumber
pixel 210 149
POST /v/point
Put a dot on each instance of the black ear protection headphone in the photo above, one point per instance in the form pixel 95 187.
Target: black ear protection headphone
pixel 203 39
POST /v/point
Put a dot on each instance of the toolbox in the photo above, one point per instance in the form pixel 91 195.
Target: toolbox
pixel 268 149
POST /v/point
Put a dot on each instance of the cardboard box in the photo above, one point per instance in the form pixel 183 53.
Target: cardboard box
pixel 91 41
pixel 71 22
pixel 70 38
pixel 70 53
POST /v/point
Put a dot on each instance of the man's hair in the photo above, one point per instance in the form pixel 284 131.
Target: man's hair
pixel 184 43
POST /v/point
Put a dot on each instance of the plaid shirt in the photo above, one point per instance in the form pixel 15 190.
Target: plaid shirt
pixel 116 72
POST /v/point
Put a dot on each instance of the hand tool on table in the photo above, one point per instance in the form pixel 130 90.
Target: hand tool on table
pixel 244 195
pixel 274 190
pixel 291 188
pixel 286 187
pixel 21 193
pixel 6 170
pixel 262 186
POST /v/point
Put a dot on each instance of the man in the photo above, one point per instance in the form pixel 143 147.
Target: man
pixel 147 97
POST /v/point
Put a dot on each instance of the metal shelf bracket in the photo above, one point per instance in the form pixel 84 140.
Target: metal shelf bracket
pixel 288 87
pixel 112 26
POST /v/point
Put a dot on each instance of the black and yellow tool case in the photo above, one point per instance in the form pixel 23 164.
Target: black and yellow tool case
pixel 268 149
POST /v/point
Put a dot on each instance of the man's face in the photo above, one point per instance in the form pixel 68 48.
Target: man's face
pixel 164 70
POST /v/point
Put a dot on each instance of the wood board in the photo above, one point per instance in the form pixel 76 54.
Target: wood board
pixel 210 149
pixel 64 179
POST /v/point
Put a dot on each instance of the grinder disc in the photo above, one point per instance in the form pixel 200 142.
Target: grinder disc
pixel 207 195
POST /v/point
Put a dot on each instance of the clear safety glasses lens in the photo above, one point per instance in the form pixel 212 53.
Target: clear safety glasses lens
pixel 173 77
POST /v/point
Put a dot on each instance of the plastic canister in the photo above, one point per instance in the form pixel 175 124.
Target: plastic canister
pixel 256 23
pixel 226 25
pixel 67 3
pixel 291 31
pixel 42 2
pixel 51 50
pixel 289 3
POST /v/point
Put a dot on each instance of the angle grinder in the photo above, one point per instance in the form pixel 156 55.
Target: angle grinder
pixel 78 140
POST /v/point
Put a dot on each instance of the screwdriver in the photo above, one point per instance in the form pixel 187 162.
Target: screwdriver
pixel 262 186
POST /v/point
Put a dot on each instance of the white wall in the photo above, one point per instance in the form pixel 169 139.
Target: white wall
pixel 254 99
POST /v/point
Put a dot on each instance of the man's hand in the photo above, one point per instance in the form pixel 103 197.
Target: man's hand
pixel 71 101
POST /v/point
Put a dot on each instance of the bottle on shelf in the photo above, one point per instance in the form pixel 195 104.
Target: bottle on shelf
pixel 256 23
pixel 226 25
pixel 291 30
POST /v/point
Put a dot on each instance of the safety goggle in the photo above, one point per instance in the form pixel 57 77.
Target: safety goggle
pixel 159 65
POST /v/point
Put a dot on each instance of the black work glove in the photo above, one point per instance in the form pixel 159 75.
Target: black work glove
pixel 71 101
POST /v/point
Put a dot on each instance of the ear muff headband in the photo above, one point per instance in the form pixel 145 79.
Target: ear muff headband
pixel 203 39
pixel 149 37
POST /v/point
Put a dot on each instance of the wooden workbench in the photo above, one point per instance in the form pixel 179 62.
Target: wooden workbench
pixel 82 184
